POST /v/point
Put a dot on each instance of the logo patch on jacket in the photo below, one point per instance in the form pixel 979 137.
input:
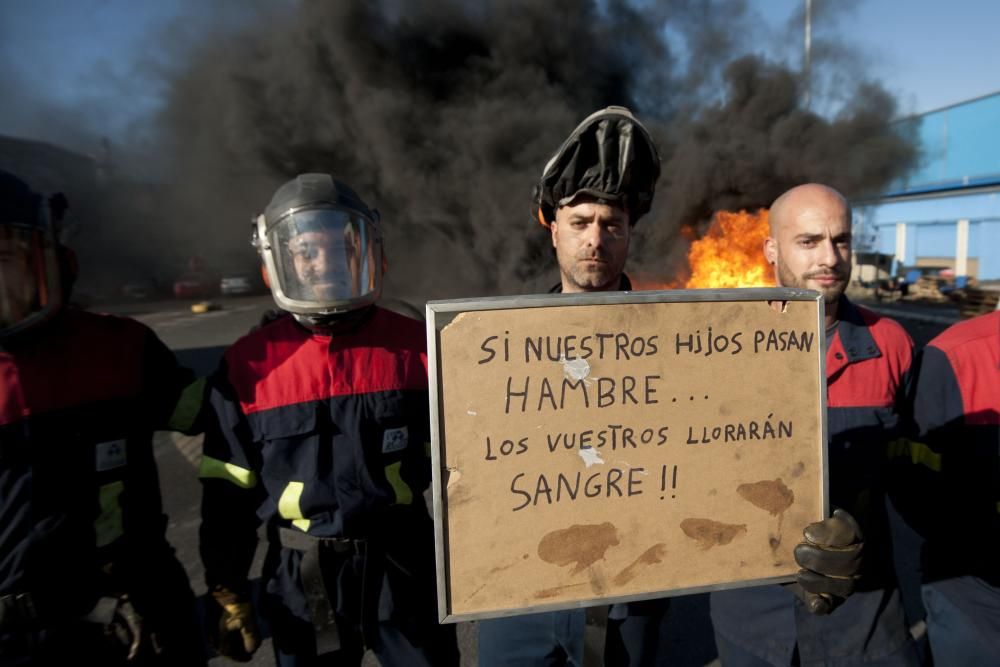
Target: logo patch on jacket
pixel 395 439
pixel 111 455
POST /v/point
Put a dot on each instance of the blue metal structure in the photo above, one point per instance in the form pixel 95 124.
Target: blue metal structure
pixel 958 179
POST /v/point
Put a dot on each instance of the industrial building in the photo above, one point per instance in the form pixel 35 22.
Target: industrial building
pixel 945 215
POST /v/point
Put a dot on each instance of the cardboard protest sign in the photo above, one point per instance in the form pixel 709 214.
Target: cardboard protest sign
pixel 607 447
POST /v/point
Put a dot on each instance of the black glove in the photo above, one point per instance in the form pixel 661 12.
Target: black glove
pixel 232 627
pixel 830 558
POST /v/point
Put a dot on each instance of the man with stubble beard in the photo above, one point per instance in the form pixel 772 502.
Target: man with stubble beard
pixel 868 360
pixel 592 192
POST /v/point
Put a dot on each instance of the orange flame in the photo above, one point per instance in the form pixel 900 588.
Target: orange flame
pixel 731 254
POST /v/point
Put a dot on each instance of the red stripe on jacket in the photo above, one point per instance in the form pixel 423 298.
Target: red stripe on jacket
pixel 869 382
pixel 973 350
pixel 78 359
pixel 284 364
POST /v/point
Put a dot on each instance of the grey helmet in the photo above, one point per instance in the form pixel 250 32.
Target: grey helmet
pixel 322 248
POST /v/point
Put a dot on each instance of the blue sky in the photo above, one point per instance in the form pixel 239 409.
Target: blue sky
pixel 94 57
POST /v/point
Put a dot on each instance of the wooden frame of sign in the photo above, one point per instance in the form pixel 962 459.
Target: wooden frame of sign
pixel 609 447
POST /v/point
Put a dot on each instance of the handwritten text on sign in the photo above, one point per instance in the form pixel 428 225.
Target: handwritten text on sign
pixel 606 451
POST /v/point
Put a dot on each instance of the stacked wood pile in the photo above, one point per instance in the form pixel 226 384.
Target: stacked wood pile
pixel 926 289
pixel 978 302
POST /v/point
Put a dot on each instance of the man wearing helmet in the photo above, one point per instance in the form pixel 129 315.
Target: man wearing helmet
pixel 85 567
pixel 591 194
pixel 318 428
pixel 595 188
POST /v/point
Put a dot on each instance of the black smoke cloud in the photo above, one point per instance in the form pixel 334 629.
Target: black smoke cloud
pixel 744 151
pixel 442 114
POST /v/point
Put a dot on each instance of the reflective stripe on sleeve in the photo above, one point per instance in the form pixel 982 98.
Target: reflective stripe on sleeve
pixel 917 452
pixel 108 526
pixel 289 508
pixel 404 496
pixel 214 468
pixel 187 408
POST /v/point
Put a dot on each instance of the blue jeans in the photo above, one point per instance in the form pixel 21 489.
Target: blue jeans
pixel 550 639
pixel 963 621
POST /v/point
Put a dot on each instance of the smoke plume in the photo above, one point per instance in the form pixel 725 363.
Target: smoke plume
pixel 442 114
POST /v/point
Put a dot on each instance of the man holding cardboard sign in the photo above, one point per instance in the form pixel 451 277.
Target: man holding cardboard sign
pixel 867 360
pixel 599 183
pixel 592 192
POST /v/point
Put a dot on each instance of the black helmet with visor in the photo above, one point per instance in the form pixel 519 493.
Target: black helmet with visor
pixel 322 247
pixel 31 286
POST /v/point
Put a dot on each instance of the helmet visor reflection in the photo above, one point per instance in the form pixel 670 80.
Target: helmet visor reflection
pixel 326 256
pixel 27 275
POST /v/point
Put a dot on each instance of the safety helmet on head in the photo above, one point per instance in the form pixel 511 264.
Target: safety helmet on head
pixel 610 156
pixel 32 287
pixel 322 248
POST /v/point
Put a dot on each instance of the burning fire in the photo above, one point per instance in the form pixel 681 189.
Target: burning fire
pixel 731 254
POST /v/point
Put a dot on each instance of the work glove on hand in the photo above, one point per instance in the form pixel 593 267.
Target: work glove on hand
pixel 235 635
pixel 830 558
pixel 125 637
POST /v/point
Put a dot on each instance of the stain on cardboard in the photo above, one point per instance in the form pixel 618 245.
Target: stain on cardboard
pixel 580 545
pixel 769 495
pixel 798 469
pixel 710 533
pixel 553 592
pixel 650 556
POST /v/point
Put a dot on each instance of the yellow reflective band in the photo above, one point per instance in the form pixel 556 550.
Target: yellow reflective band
pixel 108 526
pixel 917 452
pixel 288 505
pixel 427 449
pixel 404 496
pixel 214 468
pixel 187 408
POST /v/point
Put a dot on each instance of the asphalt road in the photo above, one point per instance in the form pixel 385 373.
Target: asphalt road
pixel 199 340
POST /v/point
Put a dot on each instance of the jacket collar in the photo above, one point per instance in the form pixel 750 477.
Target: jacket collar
pixel 853 341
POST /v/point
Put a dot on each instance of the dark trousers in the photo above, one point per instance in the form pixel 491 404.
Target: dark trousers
pixel 395 649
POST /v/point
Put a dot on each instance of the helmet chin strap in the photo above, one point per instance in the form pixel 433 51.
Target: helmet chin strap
pixel 334 324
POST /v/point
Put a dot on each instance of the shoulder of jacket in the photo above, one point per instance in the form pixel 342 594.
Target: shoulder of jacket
pixel 885 330
pixel 977 330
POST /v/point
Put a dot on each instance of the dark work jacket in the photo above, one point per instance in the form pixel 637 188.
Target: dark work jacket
pixel 623 610
pixel 326 435
pixel 867 367
pixel 80 508
pixel 949 470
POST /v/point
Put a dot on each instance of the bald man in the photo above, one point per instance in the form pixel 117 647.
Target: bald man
pixel 868 360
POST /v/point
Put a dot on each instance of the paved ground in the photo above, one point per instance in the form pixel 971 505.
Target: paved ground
pixel 199 340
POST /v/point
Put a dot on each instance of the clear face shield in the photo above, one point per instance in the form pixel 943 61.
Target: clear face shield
pixel 30 289
pixel 324 260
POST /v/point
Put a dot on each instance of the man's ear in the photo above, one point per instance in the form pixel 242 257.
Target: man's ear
pixel 554 232
pixel 771 250
pixel 263 274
